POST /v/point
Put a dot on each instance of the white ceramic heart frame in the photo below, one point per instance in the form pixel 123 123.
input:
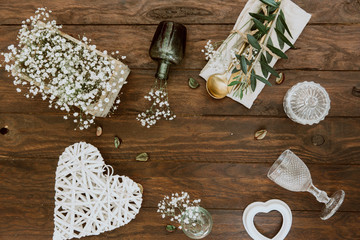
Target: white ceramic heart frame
pixel 261 207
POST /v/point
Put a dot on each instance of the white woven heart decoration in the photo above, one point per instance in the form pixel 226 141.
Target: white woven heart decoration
pixel 89 201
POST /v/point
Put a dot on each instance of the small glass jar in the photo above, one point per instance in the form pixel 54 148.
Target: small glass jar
pixel 307 103
pixel 196 222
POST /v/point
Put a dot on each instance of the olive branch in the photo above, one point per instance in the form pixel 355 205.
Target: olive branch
pixel 258 48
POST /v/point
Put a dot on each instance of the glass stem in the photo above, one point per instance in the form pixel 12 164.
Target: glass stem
pixel 321 196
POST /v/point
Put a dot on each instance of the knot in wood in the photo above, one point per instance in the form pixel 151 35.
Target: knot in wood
pixel 317 140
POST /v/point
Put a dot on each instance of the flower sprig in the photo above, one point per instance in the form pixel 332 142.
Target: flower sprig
pixel 257 48
pixel 160 107
pixel 176 206
pixel 73 77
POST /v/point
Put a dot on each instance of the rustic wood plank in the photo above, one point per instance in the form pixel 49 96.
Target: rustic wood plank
pixel 145 12
pixel 238 184
pixel 36 222
pixel 212 139
pixel 187 101
pixel 315 49
pixel 211 156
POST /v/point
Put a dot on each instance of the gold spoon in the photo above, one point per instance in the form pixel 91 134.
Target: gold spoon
pixel 217 84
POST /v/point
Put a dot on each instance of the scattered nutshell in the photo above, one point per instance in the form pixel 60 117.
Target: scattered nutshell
pixel 170 228
pixel 356 91
pixel 141 188
pixel 117 142
pixel 99 131
pixel 193 83
pixel 279 80
pixel 142 157
pixel 260 134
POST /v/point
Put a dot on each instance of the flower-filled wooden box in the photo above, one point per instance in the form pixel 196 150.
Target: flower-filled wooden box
pixel 116 81
pixel 71 74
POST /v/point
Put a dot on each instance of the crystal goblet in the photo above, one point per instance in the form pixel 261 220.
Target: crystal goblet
pixel 291 173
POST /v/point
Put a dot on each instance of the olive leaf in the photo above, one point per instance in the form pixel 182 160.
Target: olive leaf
pixel 253 42
pixel 277 51
pixel 253 81
pixel 282 37
pixel 271 9
pixel 262 16
pixel 271 3
pixel 268 55
pixel 234 83
pixel 243 64
pixel 235 70
pixel 193 83
pixel 283 22
pixel 264 70
pixel 261 79
pixel 260 26
pixel 269 69
pixel 281 29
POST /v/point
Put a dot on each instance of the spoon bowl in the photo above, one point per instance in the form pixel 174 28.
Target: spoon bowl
pixel 217 85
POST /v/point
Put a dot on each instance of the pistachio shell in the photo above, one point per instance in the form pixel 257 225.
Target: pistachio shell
pixel 170 228
pixel 193 83
pixel 260 134
pixel 280 79
pixel 117 142
pixel 141 188
pixel 142 157
pixel 99 131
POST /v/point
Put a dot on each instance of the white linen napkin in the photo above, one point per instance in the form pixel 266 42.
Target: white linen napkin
pixel 296 19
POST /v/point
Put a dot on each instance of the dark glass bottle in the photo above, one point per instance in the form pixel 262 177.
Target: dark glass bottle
pixel 168 46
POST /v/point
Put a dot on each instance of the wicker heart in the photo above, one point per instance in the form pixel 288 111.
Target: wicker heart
pixel 89 200
pixel 271 205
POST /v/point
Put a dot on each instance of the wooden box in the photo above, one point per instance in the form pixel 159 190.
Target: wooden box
pixel 119 67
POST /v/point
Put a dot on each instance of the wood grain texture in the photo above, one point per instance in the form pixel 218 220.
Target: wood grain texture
pixel 210 139
pixel 315 49
pixel 238 184
pixel 209 149
pixel 152 12
pixel 186 101
pixel 36 223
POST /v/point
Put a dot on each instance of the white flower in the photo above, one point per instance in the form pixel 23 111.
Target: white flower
pixel 74 75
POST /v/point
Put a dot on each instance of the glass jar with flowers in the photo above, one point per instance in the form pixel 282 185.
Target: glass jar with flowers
pixel 195 221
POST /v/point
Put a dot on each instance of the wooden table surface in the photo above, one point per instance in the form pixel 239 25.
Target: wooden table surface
pixel 209 149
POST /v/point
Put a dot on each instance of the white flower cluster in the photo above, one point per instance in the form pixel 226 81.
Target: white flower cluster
pixel 178 207
pixel 160 107
pixel 209 50
pixel 234 59
pixel 71 76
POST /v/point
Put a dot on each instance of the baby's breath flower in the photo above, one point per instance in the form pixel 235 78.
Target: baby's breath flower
pixel 71 76
pixel 160 107
pixel 176 205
